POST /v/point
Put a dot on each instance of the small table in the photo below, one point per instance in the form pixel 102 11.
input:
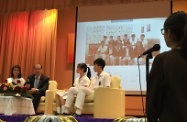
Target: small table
pixel 16 105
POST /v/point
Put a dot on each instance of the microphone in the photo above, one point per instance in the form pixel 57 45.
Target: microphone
pixel 156 47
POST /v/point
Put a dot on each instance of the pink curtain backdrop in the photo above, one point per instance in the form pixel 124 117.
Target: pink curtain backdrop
pixel 27 38
pixel 7 6
pixel 71 43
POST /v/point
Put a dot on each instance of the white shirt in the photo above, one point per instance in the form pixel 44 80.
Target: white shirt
pixel 133 42
pixel 144 42
pixel 83 81
pixel 127 52
pixel 37 76
pixel 102 49
pixel 110 51
pixel 22 81
pixel 102 80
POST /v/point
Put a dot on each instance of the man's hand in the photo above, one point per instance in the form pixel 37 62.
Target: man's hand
pixel 27 86
pixel 33 90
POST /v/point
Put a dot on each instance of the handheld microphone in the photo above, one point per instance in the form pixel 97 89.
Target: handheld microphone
pixel 156 47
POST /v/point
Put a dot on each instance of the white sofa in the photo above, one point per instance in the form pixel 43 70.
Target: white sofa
pixel 104 103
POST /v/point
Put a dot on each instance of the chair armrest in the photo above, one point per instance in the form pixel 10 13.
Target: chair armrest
pixel 57 90
pixel 109 102
pixel 49 102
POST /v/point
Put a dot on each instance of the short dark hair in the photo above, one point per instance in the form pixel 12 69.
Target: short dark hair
pixel 177 24
pixel 100 62
pixel 133 35
pixel 105 36
pixel 102 42
pixel 142 35
pixel 16 66
pixel 125 35
pixel 85 67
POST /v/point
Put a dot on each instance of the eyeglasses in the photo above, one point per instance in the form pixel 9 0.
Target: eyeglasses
pixel 162 31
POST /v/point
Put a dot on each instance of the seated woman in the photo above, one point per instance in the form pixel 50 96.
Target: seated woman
pixel 82 80
pixel 16 76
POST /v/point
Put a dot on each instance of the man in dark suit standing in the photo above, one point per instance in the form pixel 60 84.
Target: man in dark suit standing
pixel 38 84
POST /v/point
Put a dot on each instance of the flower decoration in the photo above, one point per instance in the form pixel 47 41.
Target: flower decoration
pixel 18 81
pixel 12 88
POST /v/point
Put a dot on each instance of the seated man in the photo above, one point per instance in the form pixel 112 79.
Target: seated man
pixel 101 51
pixel 102 79
pixel 38 84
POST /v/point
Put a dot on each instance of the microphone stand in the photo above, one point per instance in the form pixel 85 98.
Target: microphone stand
pixel 149 56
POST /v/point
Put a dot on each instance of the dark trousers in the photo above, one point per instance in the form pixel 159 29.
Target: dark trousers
pixel 37 95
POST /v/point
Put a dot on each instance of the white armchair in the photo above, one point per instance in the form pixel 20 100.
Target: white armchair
pixel 43 105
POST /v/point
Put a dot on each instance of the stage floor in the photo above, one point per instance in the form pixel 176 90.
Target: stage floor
pixel 53 118
pixel 27 118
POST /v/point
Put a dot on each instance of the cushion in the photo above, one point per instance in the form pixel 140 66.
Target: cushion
pixel 115 82
pixel 89 98
pixel 42 99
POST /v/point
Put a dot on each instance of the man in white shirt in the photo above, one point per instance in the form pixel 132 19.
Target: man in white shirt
pixel 133 40
pixel 101 51
pixel 102 79
pixel 144 41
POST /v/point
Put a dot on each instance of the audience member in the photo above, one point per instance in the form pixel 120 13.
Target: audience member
pixel 166 87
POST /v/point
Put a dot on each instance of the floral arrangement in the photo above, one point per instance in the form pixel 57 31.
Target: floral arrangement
pixel 14 89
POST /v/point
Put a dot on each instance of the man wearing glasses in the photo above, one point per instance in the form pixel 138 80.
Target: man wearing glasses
pixel 38 84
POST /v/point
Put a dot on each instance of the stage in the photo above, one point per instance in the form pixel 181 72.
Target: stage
pixel 35 118
pixel 53 118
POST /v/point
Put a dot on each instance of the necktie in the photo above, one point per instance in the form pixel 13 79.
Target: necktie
pixel 36 82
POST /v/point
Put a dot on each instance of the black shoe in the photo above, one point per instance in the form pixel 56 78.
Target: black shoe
pixel 75 115
pixel 65 114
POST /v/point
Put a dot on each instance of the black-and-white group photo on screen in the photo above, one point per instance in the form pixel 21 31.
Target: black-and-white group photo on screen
pixel 120 50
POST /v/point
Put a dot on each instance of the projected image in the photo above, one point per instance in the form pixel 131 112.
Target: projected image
pixel 120 51
pixel 119 43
